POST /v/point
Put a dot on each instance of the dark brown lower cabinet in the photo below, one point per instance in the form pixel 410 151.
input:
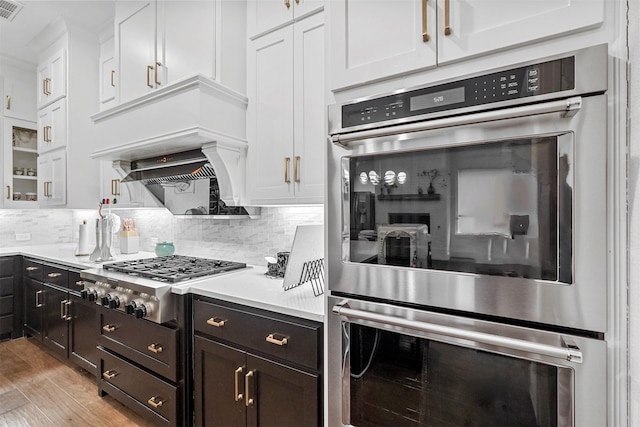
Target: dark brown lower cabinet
pixel 236 388
pixel 55 315
pixel 10 297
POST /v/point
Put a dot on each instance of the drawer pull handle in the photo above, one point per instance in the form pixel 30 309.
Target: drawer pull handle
pixel 54 275
pixel 218 323
pixel 31 268
pixel 238 395
pixel 273 340
pixel 155 401
pixel 109 374
pixel 156 348
pixel 109 328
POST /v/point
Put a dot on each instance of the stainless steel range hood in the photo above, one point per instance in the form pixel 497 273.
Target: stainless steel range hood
pixel 195 113
pixel 186 184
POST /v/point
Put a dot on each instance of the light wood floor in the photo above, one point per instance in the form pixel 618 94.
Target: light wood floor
pixel 36 389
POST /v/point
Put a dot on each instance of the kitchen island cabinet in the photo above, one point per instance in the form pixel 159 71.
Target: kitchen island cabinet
pixel 286 115
pixel 416 35
pixel 253 367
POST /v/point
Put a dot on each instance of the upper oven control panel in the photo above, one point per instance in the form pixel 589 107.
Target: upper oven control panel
pixel 579 72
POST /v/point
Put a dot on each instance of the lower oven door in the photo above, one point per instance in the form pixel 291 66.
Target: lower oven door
pixel 405 367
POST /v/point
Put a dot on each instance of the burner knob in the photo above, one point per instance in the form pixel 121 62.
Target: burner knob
pixel 130 307
pixel 84 294
pixel 104 300
pixel 114 302
pixel 141 311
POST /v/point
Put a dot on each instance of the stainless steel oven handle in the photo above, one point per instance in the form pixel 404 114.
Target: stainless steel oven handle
pixel 569 107
pixel 571 353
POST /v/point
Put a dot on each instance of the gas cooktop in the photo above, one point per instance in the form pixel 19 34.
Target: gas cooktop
pixel 173 268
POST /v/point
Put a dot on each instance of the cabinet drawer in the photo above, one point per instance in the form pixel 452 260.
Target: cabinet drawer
pixel 152 345
pixel 147 389
pixel 6 266
pixel 291 339
pixel 56 276
pixel 6 324
pixel 33 269
pixel 6 305
pixel 6 286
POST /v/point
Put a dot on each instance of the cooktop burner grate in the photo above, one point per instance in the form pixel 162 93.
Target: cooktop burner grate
pixel 173 268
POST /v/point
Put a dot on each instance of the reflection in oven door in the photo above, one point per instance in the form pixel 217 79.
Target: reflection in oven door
pixel 443 370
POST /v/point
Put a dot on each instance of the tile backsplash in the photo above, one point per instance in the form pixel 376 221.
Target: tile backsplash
pixel 246 240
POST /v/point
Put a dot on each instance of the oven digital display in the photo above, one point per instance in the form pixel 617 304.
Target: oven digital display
pixel 441 98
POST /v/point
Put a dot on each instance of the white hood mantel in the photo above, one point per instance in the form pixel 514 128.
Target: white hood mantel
pixel 195 112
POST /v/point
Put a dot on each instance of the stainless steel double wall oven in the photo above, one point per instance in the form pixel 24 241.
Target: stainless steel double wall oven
pixel 467 250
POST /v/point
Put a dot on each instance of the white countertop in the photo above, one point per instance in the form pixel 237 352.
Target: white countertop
pixel 251 287
pixel 248 287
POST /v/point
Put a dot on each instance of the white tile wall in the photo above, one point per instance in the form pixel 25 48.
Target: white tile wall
pixel 246 240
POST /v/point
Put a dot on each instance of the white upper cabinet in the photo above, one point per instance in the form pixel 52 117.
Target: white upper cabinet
pixel 375 39
pixel 157 43
pixel 52 180
pixel 52 78
pixel 135 41
pixel 286 115
pixel 52 126
pixel 266 15
pixel 19 99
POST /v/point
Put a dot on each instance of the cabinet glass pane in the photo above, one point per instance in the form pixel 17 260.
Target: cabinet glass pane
pixel 24 164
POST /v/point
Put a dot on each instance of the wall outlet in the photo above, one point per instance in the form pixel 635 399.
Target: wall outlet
pixel 23 237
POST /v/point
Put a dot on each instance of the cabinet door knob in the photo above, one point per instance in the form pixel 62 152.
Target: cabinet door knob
pixel 113 78
pixel 273 340
pixel 238 396
pixel 54 275
pixel 31 268
pixel 155 348
pixel 218 323
pixel 155 401
pixel 287 3
pixel 8 192
pixel 109 328
pixel 8 102
pixel 111 373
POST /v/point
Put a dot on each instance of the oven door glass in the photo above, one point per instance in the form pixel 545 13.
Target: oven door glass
pixel 499 208
pixel 402 380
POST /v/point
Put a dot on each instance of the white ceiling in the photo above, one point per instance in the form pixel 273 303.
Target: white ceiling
pixel 37 14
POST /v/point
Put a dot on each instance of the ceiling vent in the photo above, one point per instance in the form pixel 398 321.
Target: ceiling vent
pixel 9 9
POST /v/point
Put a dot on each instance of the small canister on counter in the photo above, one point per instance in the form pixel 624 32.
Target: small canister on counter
pixel 283 259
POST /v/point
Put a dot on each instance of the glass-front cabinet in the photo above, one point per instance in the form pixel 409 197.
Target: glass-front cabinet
pixel 20 161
